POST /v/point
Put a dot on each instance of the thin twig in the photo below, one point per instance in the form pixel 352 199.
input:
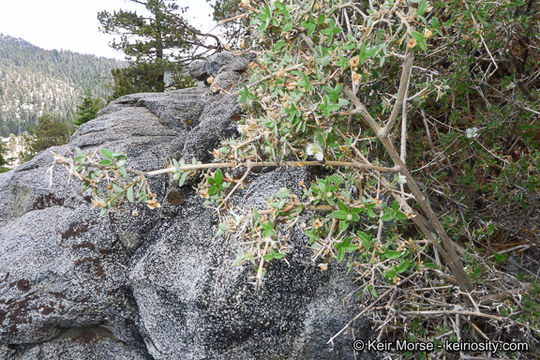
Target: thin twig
pixel 370 306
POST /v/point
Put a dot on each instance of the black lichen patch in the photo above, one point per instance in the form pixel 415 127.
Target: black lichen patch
pixel 47 200
pixel 92 261
pixel 76 229
pixel 104 251
pixel 86 244
pixel 23 285
pixel 174 197
pixel 58 295
pixel 235 117
pixel 47 310
pixel 17 313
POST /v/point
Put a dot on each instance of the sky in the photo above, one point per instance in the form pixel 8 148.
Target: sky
pixel 73 25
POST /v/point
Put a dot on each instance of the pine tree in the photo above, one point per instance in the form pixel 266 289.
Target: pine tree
pixel 87 109
pixel 3 154
pixel 49 132
pixel 160 41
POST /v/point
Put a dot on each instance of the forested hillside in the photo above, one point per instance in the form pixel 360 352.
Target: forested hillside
pixel 34 81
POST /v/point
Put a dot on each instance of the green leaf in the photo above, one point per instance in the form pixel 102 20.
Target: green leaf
pixel 419 37
pixel 435 23
pixel 309 26
pixel 117 188
pixel 403 266
pixel 183 179
pixel 342 206
pixel 280 7
pixel 343 226
pixel 392 254
pixel 363 236
pixel 350 248
pixel 388 216
pixel 422 7
pixel 287 27
pixel 239 258
pixel 130 194
pixel 218 177
pixel 401 216
pixel 123 172
pixel 282 193
pixel 499 258
pixel 107 153
pixel 344 247
pixel 265 16
pixel 371 52
pixel 390 274
pixel 340 214
pixel 105 162
pixel 341 255
pixel 277 46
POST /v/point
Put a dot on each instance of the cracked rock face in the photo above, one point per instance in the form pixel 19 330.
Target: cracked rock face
pixel 75 285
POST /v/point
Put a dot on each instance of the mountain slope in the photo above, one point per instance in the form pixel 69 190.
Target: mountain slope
pixel 34 81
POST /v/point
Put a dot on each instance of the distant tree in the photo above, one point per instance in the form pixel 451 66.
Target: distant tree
pixel 87 109
pixel 236 30
pixel 3 154
pixel 156 44
pixel 145 78
pixel 49 132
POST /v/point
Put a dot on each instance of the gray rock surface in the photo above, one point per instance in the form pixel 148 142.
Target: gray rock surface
pixel 217 63
pixel 74 285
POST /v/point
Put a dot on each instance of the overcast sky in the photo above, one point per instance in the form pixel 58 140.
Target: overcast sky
pixel 73 25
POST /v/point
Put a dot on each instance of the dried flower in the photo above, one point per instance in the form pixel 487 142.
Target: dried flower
pixel 290 86
pixel 152 204
pixel 227 47
pixel 245 3
pixel 411 43
pixel 204 193
pixel 354 61
pixel 98 203
pixel 315 151
pixel 396 280
pixel 317 223
pixel 323 266
pixel 355 77
pixel 427 33
pixel 280 73
pixel 210 80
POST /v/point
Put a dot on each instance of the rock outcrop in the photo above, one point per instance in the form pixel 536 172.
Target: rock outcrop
pixel 75 285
